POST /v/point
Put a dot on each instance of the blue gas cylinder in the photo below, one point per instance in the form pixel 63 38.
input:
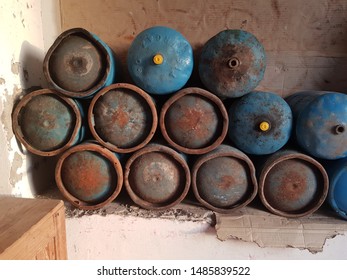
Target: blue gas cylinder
pixel 47 123
pixel 260 123
pixel 232 63
pixel 337 196
pixel 320 122
pixel 160 60
pixel 79 64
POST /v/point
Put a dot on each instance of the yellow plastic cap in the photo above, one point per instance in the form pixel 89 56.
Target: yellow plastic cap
pixel 158 59
pixel 264 126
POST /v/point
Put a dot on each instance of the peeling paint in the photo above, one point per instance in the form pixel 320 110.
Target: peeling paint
pixel 6 120
pixel 255 225
pixel 2 81
pixel 15 67
pixel 17 163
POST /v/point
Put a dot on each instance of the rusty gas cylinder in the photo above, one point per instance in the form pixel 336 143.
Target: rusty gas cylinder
pixel 232 63
pixel 157 177
pixel 89 176
pixel 292 184
pixel 122 117
pixel 320 119
pixel 194 121
pixel 260 123
pixel 47 123
pixel 224 179
pixel 79 63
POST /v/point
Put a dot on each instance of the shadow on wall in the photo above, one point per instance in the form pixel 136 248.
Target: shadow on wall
pixel 40 170
pixel 31 62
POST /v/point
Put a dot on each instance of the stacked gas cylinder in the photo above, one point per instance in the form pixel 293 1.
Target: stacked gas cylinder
pixel 162 135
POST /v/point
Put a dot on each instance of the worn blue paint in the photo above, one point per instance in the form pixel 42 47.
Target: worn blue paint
pixel 108 57
pixel 177 66
pixel 46 123
pixel 245 116
pixel 113 71
pixel 321 123
pixel 337 196
pixel 82 130
pixel 232 63
pixel 292 184
pixel 92 188
pixel 224 179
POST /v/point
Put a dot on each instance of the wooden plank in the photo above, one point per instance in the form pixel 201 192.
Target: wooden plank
pixel 60 235
pixel 27 227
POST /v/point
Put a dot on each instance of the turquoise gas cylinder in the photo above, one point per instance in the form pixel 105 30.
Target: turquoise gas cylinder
pixel 320 122
pixel 160 60
pixel 232 63
pixel 292 184
pixel 89 175
pixel 79 64
pixel 260 123
pixel 47 123
pixel 337 196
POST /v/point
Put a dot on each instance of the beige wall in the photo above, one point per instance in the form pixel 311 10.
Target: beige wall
pixel 306 41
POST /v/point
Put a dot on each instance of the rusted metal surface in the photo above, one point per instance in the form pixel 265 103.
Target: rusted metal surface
pixel 224 179
pixel 232 63
pixel 292 184
pixel 321 122
pixel 157 177
pixel 47 123
pixel 247 116
pixel 78 64
pixel 89 176
pixel 122 117
pixel 194 121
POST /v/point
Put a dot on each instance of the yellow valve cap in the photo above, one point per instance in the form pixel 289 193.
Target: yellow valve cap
pixel 158 59
pixel 264 126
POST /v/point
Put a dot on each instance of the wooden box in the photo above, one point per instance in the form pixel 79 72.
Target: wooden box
pixel 32 229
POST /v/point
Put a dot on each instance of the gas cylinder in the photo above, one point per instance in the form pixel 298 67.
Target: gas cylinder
pixel 337 196
pixel 47 123
pixel 224 179
pixel 160 60
pixel 292 184
pixel 122 117
pixel 79 63
pixel 232 63
pixel 89 176
pixel 260 123
pixel 320 123
pixel 156 177
pixel 194 121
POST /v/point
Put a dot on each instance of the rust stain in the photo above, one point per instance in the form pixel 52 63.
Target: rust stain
pixel 193 122
pixel 235 77
pixel 121 117
pixel 293 186
pixel 84 177
pixel 226 182
pixel 129 37
pixel 275 7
